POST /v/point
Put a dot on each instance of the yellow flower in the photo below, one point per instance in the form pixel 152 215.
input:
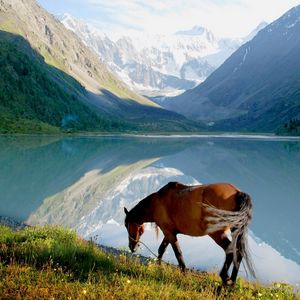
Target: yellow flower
pixel 128 281
pixel 278 285
pixel 84 291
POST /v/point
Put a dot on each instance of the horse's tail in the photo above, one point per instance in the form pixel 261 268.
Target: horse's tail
pixel 237 221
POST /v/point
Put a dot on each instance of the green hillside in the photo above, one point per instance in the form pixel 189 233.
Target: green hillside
pixel 53 263
pixel 35 97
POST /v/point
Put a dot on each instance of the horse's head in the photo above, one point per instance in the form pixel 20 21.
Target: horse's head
pixel 134 231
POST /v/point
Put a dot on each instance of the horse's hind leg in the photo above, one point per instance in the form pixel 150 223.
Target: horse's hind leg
pixel 236 267
pixel 239 258
pixel 223 241
pixel 162 248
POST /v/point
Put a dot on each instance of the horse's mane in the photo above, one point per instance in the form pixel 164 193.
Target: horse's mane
pixel 138 212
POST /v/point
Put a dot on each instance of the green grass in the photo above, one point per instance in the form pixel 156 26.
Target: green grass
pixel 53 263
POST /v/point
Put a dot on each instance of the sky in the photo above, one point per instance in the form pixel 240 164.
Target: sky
pixel 225 18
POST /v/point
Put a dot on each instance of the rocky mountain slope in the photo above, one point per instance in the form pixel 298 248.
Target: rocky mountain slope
pixel 257 88
pixel 94 84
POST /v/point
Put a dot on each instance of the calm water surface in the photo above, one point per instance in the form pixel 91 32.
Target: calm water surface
pixel 83 183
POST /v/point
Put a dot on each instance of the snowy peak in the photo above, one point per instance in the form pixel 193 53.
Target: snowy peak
pixel 64 16
pixel 68 20
pixel 78 26
pixel 257 88
pixel 155 64
pixel 197 31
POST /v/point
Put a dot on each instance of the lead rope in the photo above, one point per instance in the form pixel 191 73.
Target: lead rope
pixel 144 245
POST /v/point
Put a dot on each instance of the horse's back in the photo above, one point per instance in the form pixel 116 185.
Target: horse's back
pixel 178 206
pixel 181 206
pixel 173 185
pixel 220 194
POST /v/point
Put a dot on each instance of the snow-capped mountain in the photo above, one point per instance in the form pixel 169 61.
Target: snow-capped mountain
pixel 157 64
pixel 256 88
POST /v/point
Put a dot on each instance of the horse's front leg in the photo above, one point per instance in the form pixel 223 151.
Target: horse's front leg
pixel 172 239
pixel 162 248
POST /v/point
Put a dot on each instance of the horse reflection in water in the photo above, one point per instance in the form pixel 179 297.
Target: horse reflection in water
pixel 200 210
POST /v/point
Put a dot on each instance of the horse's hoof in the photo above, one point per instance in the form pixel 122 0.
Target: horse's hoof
pixel 229 283
pixel 225 279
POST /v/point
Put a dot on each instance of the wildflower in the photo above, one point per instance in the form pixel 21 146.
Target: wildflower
pixel 259 294
pixel 84 291
pixel 128 281
pixel 278 285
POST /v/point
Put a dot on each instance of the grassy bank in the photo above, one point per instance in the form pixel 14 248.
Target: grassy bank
pixel 53 263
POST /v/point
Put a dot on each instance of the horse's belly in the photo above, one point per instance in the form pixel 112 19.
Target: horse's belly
pixel 193 232
pixel 192 227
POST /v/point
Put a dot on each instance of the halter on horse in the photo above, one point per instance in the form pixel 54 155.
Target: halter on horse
pixel 197 211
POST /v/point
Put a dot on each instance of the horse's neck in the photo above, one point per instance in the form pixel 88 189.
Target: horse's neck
pixel 143 211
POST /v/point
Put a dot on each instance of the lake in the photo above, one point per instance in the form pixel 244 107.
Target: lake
pixel 84 182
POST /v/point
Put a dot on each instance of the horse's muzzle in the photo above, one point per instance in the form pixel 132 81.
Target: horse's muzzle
pixel 132 248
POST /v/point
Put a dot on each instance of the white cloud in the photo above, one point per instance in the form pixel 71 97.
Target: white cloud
pixel 224 17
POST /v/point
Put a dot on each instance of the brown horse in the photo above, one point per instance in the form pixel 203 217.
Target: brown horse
pixel 199 210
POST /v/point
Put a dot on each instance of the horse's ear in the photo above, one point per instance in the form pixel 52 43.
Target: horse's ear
pixel 125 210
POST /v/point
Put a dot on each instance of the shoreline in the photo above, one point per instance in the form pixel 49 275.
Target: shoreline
pixel 166 135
